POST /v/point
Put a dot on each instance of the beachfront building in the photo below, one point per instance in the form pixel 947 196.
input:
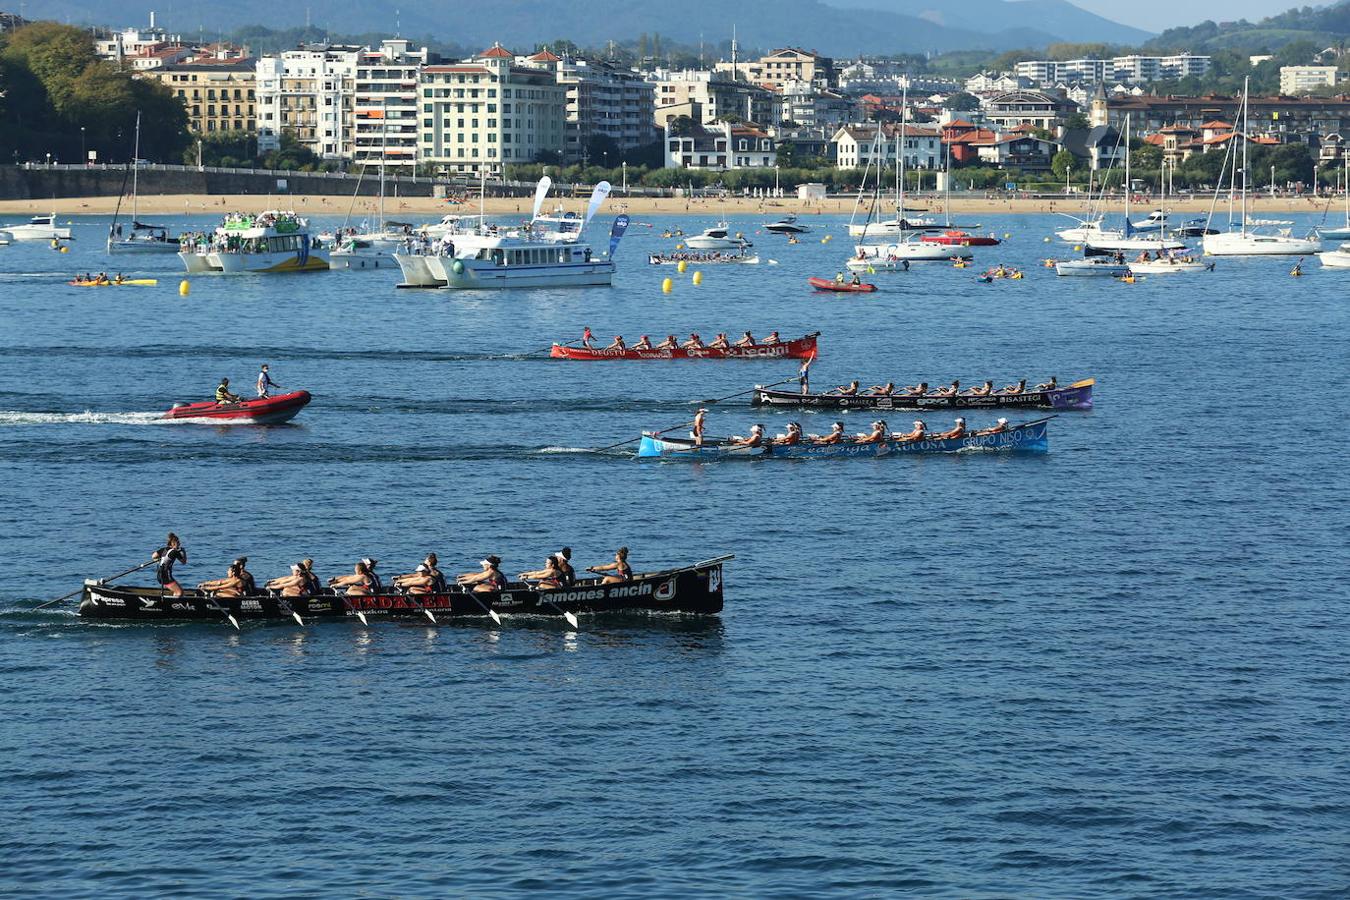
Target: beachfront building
pixel 854 145
pixel 1035 108
pixel 803 104
pixel 218 94
pixel 719 147
pixel 1133 69
pixel 783 66
pixel 384 105
pixel 1019 150
pixel 705 98
pixel 488 112
pixel 309 94
pixel 1295 80
pixel 1287 118
pixel 602 99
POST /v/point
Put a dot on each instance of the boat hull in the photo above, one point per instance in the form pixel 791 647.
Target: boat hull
pixel 1238 244
pixel 1030 437
pixel 798 348
pixel 261 411
pixel 252 263
pixel 1134 245
pixel 1084 269
pixel 1155 267
pixel 1075 396
pixel 129 246
pixel 1335 259
pixel 960 240
pixel 416 272
pixel 696 589
pixel 840 287
pixel 914 251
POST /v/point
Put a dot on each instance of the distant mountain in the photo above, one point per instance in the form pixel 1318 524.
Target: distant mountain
pixel 868 26
pixel 1324 26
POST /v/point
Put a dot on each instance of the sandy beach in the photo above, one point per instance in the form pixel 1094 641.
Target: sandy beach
pixel 422 207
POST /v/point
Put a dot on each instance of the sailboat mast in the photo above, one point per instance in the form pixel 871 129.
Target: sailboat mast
pixel 900 162
pixel 1127 174
pixel 135 171
pixel 1246 87
pixel 384 156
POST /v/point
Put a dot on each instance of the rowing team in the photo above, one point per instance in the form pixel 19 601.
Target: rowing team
pixel 953 390
pixel 879 434
pixel 364 582
pixel 721 342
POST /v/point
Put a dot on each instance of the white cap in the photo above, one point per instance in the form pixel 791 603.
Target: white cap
pixel 960 420
pixel 1003 421
pixel 423 568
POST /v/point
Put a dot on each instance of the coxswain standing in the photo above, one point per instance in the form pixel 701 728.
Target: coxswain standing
pixel 265 381
pixel 172 552
pixel 587 337
pixel 700 418
pixel 489 580
pixel 223 395
pixel 621 570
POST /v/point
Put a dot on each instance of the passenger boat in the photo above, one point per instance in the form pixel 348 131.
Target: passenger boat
pixel 38 228
pixel 958 238
pixel 1073 396
pixel 787 225
pixel 270 242
pixel 1028 437
pixel 259 411
pixel 695 589
pixel 1103 266
pixel 797 348
pixel 840 287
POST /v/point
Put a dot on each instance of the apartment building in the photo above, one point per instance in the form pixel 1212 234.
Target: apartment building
pixel 920 146
pixel 705 98
pixel 309 93
pixel 1132 69
pixel 783 66
pixel 219 95
pixel 384 105
pixel 488 112
pixel 1295 80
pixel 719 147
pixel 602 99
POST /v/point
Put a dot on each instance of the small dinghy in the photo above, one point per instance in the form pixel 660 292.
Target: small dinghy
pixel 259 411
pixel 841 287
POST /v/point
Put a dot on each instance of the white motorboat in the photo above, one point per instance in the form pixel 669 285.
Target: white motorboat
pixel 451 224
pixel 910 249
pixel 1088 230
pixel 717 237
pixel 1092 266
pixel 6 238
pixel 1340 232
pixel 270 242
pixel 1171 265
pixel 38 228
pixel 143 237
pixel 787 225
pixel 1336 259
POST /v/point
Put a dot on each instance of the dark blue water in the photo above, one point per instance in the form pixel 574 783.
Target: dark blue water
pixel 1119 669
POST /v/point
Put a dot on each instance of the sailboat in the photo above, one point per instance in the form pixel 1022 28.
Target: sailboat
pixel 373 249
pixel 1250 239
pixel 1128 240
pixel 1342 233
pixel 905 219
pixel 144 237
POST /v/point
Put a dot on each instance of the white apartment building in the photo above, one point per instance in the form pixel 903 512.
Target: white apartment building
pixel 385 102
pixel 719 147
pixel 1132 69
pixel 309 93
pixel 488 112
pixel 921 147
pixel 1295 80
pixel 135 41
pixel 602 99
pixel 683 92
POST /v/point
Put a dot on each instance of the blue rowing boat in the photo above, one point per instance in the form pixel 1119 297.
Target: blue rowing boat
pixel 1029 437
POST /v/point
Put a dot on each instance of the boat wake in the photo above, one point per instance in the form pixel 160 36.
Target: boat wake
pixel 565 450
pixel 88 417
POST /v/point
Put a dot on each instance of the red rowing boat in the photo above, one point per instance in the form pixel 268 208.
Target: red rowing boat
pixel 798 348
pixel 260 411
pixel 842 287
pixel 960 239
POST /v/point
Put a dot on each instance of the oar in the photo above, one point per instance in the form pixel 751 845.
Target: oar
pixel 751 391
pixel 571 618
pixel 639 437
pixel 222 610
pixel 483 606
pixel 352 606
pixel 546 349
pixel 286 608
pixel 101 581
pixel 409 597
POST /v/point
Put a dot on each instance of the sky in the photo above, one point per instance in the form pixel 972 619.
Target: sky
pixel 1159 15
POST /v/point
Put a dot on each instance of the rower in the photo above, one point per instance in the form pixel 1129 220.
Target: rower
pixel 166 556
pixel 950 391
pixel 882 390
pixel 361 583
pixel 697 434
pixel 755 439
pixel 644 343
pixel 793 436
pixel 312 584
pixel 958 430
pixel 621 570
pixel 437 577
pixel 857 279
pixel 229 586
pixel 983 390
pixel 851 390
pixel 292 585
pixel 223 394
pixel 548 578
pixel 119 279
pixel 569 574
pixel 488 581
pixel 835 436
pixel 917 390
pixel 720 342
pixel 265 381
pixel 670 343
pixel 694 343
pixel 1013 390
pixel 877 435
pixel 1052 384
pixel 997 428
pixel 587 337
pixel 919 433
pixel 375 579
pixel 419 581
pixel 745 340
pixel 249 586
pixel 773 340
pixel 618 344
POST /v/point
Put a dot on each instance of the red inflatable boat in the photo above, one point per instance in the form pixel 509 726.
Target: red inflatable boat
pixel 262 411
pixel 960 239
pixel 843 287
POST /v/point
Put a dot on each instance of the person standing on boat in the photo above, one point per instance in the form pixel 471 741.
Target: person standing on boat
pixel 587 337
pixel 700 418
pixel 172 552
pixel 223 395
pixel 265 381
pixel 621 570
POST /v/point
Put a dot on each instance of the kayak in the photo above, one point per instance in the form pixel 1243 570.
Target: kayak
pixel 841 287
pixel 122 283
pixel 260 411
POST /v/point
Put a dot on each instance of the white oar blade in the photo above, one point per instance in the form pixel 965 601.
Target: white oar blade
pixel 496 618
pixel 571 619
pixel 362 616
pixel 299 621
pixel 233 621
pixel 429 615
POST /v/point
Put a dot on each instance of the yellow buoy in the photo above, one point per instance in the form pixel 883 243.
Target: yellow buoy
pixel 681 266
pixel 184 288
pixel 1077 248
pixel 667 286
pixel 65 249
pixel 1006 235
pixel 698 278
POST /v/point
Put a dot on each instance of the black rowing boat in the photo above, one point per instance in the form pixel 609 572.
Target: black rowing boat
pixel 1073 396
pixel 691 589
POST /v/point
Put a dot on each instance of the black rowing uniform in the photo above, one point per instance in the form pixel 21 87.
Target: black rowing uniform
pixel 312 586
pixel 373 583
pixel 167 557
pixel 249 587
pixel 624 571
pixel 568 575
pixel 438 585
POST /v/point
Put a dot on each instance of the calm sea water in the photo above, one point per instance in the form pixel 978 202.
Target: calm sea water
pixel 1119 669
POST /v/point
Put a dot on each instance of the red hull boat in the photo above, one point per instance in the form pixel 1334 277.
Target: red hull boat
pixel 798 348
pixel 959 239
pixel 841 287
pixel 262 411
